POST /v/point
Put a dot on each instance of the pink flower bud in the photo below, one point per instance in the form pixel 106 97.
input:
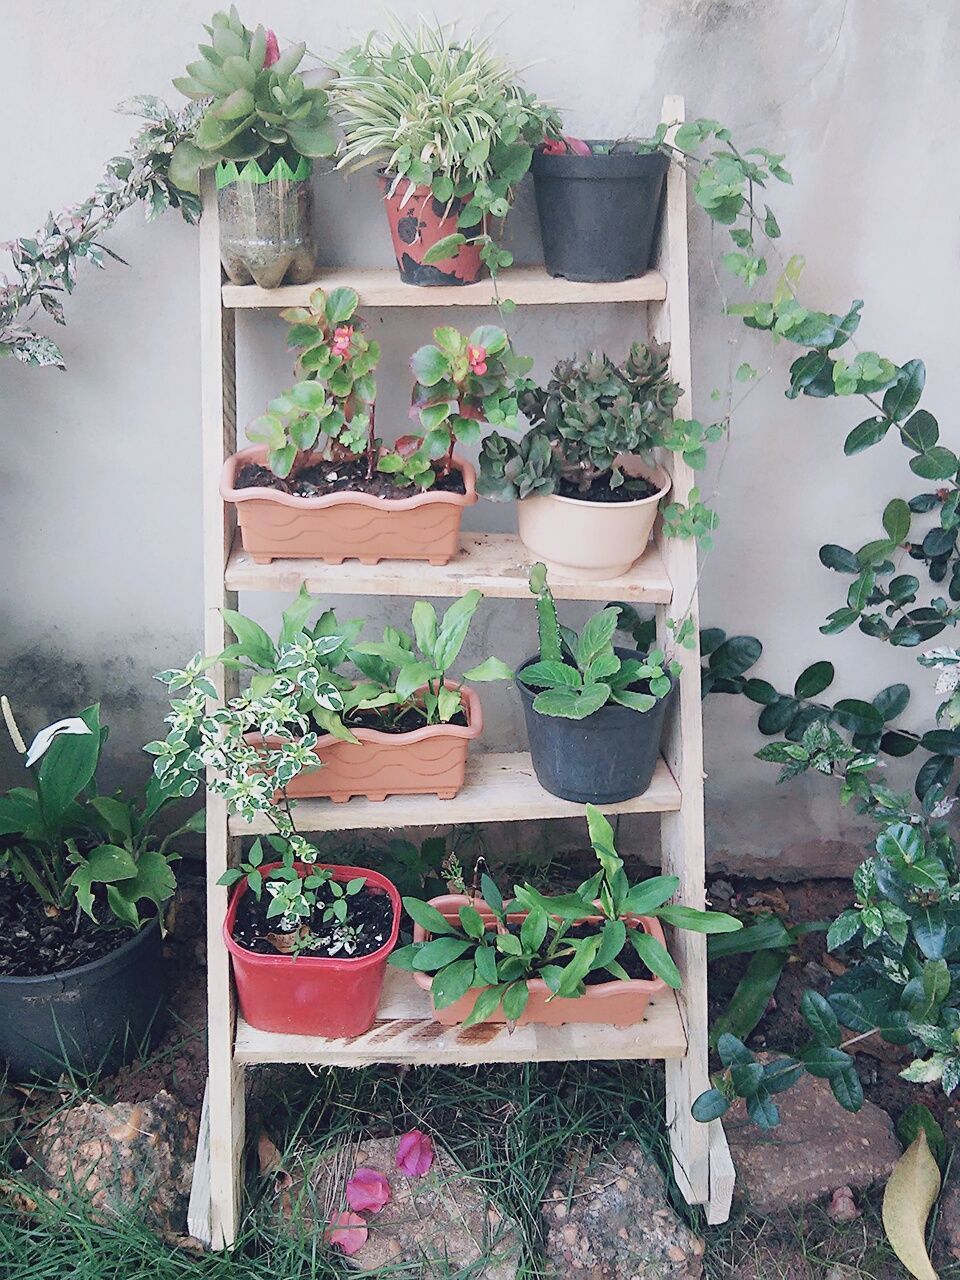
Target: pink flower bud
pixel 272 52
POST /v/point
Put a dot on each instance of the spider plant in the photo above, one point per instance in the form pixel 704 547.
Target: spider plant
pixel 435 110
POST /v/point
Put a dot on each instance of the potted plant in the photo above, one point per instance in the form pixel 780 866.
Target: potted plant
pixel 318 481
pixel 305 727
pixel 594 955
pixel 451 135
pixel 309 941
pixel 262 128
pixel 594 712
pixel 598 203
pixel 83 883
pixel 584 473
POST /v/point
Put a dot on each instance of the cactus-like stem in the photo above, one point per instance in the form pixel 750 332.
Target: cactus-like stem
pixel 548 624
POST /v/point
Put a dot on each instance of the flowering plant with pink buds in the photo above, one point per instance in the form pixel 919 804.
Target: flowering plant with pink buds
pixel 258 106
pixel 461 382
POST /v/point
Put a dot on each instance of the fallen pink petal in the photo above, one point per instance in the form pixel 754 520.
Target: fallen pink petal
pixel 368 1191
pixel 415 1154
pixel 347 1231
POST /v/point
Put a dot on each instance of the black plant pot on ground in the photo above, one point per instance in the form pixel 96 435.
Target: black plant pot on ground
pixel 88 1019
pixel 606 757
pixel 598 213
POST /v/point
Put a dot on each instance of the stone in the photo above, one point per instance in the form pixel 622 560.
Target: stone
pixel 129 1156
pixel 948 1232
pixel 616 1222
pixel 816 1148
pixel 439 1225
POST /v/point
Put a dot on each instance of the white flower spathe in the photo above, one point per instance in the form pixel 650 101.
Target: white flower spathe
pixel 41 743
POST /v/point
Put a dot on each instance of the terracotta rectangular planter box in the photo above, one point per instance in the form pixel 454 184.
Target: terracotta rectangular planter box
pixel 615 1003
pixel 428 761
pixel 341 526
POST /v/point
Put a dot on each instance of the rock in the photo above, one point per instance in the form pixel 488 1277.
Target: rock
pixel 607 1217
pixel 127 1156
pixel 438 1225
pixel 816 1148
pixel 948 1233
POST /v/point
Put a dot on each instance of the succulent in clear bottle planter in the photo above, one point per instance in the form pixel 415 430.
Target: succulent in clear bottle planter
pixel 262 128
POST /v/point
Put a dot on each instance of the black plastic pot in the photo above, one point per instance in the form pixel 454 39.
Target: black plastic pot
pixel 88 1019
pixel 598 213
pixel 606 757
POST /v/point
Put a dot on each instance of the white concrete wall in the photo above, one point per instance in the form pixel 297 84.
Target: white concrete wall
pixel 99 470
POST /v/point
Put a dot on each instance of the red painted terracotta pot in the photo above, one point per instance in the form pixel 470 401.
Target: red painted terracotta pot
pixel 311 995
pixel 417 221
pixel 341 526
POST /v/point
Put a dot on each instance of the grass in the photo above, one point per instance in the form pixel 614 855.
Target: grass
pixel 509 1127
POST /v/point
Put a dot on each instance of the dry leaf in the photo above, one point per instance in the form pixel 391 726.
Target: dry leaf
pixel 909 1196
pixel 267 1153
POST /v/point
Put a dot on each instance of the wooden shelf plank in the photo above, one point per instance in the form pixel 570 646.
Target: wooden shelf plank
pixel 500 787
pixel 382 287
pixel 495 563
pixel 405 1032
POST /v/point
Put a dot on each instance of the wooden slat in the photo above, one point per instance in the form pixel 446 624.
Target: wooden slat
pixel 382 287
pixel 682 838
pixel 499 787
pixel 405 1032
pixel 497 564
pixel 723 1176
pixel 225 1089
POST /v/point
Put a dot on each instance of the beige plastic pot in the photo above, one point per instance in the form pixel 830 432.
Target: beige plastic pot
pixel 595 540
pixel 340 526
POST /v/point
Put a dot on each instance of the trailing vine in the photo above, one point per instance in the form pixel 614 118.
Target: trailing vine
pixel 47 263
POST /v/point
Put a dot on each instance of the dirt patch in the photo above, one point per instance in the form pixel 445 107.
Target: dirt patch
pixel 345 477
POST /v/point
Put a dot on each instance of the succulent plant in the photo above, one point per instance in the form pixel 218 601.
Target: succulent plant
pixel 259 107
pixel 591 411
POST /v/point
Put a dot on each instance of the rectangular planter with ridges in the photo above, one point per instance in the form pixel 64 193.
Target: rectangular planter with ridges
pixel 348 525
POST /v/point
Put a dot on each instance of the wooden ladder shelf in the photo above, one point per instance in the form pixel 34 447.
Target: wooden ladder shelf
pixel 499 787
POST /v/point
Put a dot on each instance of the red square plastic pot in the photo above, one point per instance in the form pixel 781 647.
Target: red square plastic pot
pixel 311 995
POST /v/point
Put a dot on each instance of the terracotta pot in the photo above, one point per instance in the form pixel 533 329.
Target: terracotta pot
pixel 428 761
pixel 417 222
pixel 340 526
pixel 615 1003
pixel 594 540
pixel 311 995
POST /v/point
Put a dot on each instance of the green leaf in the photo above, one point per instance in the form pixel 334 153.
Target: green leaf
pixel 454 628
pixel 515 1000
pixel 254 642
pixel 901 399
pixel 447 247
pixel 572 704
pixel 820 1018
pixel 896 519
pixel 67 768
pixel 825 1061
pixel 429 365
pixel 921 432
pixel 812 682
pixel 441 952
pixel 427 917
pixel 489 669
pixel 471 921
pixel 699 921
pixel 839 558
pixel 424 619
pixel 710 1105
pixel 845 927
pixel 341 304
pixel 752 996
pixel 451 983
pixel 486 962
pixel 918 1117
pixel 104 865
pixel 650 894
pixel 937 463
pixel 596 636
pixel 551 675
pixel 486 1004
pixel 865 435
pixel 656 957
